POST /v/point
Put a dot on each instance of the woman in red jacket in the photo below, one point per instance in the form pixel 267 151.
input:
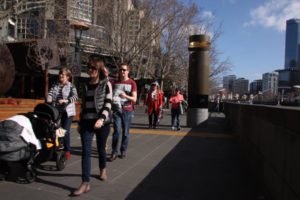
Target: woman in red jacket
pixel 154 103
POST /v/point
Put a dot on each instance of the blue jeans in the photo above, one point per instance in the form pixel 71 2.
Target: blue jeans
pixel 66 123
pixel 175 118
pixel 86 142
pixel 122 122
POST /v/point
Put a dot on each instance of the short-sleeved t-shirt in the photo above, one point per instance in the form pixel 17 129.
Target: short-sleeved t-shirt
pixel 128 86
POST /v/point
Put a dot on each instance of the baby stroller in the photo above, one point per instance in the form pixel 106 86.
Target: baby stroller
pixel 27 140
pixel 46 124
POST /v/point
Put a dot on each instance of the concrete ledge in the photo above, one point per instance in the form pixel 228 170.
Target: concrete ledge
pixel 270 138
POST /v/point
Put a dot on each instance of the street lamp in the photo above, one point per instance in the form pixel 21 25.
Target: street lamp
pixel 78 27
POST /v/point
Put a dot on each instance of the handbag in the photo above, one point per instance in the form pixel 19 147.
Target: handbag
pixel 181 111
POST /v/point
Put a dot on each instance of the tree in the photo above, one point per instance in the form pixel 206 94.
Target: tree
pixel 153 37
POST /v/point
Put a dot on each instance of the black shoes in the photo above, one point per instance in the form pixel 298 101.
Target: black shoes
pixel 151 127
pixel 123 155
pixel 113 157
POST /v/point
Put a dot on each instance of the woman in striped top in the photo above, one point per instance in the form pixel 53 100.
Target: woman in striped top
pixel 63 96
pixel 95 118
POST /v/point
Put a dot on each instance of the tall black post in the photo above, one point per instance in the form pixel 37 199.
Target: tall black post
pixel 197 112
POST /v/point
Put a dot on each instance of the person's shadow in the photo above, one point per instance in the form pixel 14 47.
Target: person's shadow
pixel 56 184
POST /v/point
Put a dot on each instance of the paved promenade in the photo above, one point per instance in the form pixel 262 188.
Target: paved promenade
pixel 203 163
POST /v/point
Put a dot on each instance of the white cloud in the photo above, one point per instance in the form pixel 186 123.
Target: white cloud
pixel 274 13
pixel 208 15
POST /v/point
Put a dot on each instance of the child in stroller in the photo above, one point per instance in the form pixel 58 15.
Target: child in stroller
pixel 29 139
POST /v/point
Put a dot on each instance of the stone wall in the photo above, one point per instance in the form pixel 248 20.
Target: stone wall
pixel 270 140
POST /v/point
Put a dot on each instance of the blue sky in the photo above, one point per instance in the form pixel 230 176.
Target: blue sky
pixel 253 35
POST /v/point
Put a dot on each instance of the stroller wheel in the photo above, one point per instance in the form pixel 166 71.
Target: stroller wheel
pixel 30 175
pixel 61 160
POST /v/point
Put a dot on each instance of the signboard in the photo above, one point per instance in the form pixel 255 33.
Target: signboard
pixel 47 53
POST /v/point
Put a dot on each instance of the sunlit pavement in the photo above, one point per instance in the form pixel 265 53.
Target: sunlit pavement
pixel 200 163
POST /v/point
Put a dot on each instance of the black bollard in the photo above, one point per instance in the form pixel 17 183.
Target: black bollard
pixel 197 112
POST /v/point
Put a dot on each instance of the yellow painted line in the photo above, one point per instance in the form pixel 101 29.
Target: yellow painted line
pixel 181 133
pixel 157 132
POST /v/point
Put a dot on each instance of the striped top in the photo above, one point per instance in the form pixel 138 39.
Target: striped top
pixel 67 91
pixel 96 103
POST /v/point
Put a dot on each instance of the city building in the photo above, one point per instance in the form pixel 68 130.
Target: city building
pixel 290 75
pixel 228 83
pixel 24 24
pixel 241 86
pixel 270 82
pixel 292 42
pixel 256 86
pixel 287 79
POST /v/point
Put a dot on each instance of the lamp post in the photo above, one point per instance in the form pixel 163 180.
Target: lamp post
pixel 78 27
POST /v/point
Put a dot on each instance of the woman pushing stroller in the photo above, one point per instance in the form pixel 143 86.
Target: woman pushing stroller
pixel 63 96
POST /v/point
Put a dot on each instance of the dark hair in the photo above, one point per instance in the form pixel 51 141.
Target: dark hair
pixel 99 64
pixel 128 67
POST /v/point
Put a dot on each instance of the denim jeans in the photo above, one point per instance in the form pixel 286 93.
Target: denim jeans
pixel 86 142
pixel 66 123
pixel 122 122
pixel 175 118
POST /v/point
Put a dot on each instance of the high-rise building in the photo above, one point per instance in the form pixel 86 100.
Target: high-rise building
pixel 255 86
pixel 270 82
pixel 228 82
pixel 292 44
pixel 240 86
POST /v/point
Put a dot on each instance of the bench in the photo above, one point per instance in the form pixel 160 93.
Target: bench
pixel 13 106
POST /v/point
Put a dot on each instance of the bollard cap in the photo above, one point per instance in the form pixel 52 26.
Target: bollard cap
pixel 199 42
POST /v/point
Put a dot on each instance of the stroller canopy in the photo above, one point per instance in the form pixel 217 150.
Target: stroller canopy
pixel 47 110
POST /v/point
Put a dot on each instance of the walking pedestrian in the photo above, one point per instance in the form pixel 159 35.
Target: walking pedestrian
pixel 63 96
pixel 124 97
pixel 95 118
pixel 176 99
pixel 154 103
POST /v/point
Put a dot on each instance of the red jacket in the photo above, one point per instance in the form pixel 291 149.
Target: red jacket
pixel 154 101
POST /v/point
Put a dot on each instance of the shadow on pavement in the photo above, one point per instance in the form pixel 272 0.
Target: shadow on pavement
pixel 208 168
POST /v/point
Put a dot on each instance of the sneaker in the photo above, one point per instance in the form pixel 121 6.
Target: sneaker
pixel 68 155
pixel 178 129
pixel 173 128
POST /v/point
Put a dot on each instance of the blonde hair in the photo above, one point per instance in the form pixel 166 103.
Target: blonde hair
pixel 66 71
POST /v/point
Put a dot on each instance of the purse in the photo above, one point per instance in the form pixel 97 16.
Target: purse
pixel 181 111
